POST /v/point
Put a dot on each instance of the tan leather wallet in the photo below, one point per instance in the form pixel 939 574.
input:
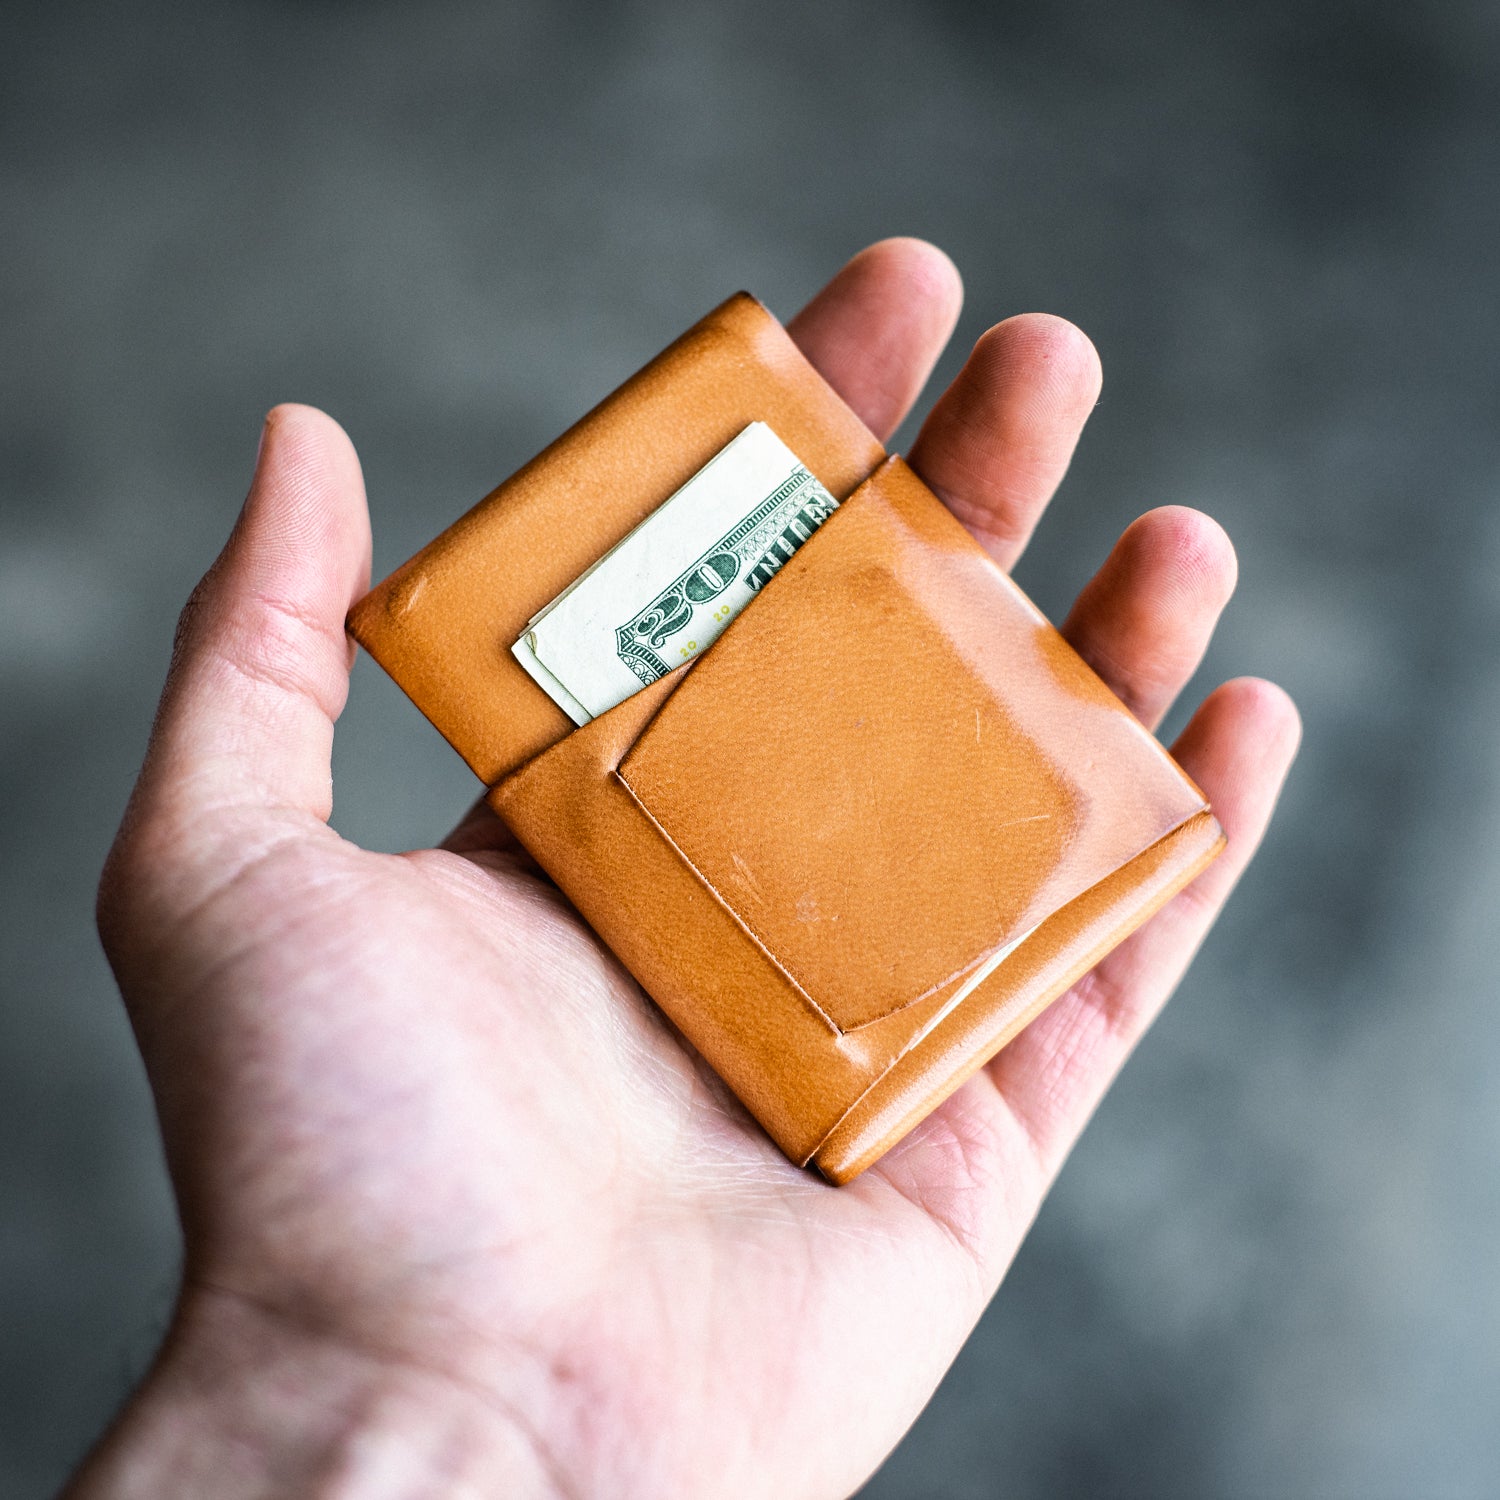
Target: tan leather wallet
pixel 863 839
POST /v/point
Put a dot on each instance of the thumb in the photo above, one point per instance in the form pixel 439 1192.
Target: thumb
pixel 260 666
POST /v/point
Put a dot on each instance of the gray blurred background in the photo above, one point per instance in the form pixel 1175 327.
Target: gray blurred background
pixel 1268 1269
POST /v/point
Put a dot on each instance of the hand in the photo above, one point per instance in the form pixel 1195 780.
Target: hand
pixel 461 1214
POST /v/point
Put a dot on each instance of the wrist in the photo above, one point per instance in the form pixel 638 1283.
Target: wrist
pixel 240 1404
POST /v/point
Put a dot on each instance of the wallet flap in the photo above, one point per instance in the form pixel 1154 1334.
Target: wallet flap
pixel 890 766
pixel 1064 948
pixel 443 624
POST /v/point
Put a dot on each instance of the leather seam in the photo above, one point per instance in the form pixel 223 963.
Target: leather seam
pixel 718 896
pixel 955 978
pixel 924 1033
pixel 952 979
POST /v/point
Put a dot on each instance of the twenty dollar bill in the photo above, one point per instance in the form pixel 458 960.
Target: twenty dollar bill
pixel 668 590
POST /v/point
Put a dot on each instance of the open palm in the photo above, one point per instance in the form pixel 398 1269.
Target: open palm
pixel 463 1213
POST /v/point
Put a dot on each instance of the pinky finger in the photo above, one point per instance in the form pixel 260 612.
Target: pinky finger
pixel 1238 747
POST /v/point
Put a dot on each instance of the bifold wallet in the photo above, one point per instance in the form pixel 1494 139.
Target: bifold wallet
pixel 854 846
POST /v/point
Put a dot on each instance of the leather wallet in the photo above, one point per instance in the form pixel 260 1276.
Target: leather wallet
pixel 866 836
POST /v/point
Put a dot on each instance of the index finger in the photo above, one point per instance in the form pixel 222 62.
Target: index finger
pixel 876 330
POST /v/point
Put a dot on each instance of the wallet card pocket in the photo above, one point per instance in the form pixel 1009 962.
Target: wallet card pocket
pixel 811 844
pixel 866 768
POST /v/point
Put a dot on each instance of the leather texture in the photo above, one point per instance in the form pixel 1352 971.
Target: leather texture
pixel 443 624
pixel 807 843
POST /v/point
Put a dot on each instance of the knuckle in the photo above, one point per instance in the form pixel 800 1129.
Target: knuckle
pixel 114 903
pixel 278 645
pixel 190 619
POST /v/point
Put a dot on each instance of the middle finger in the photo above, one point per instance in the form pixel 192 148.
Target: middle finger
pixel 999 439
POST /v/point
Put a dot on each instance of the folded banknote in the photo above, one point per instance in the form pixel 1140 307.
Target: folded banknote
pixel 668 589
